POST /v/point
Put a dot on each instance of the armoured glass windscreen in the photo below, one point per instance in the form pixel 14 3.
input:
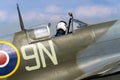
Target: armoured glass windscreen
pixel 41 32
pixel 38 33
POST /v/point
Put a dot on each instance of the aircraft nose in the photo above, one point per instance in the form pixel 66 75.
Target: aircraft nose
pixel 98 56
pixel 100 29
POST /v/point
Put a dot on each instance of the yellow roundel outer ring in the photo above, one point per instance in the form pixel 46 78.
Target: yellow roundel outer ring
pixel 18 59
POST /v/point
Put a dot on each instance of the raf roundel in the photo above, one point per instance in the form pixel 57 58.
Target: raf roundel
pixel 9 59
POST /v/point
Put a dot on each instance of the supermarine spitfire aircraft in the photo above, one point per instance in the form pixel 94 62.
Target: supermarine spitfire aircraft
pixel 85 51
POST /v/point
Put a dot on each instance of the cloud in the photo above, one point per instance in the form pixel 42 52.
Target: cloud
pixel 95 11
pixel 31 16
pixel 53 9
pixel 3 15
pixel 53 13
pixel 38 16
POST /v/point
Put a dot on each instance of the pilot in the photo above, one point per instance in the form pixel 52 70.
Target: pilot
pixel 61 28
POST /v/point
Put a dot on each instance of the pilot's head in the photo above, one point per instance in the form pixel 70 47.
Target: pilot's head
pixel 62 27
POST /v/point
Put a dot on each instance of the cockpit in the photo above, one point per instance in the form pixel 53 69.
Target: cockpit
pixel 73 24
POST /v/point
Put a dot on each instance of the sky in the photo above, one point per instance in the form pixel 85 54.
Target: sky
pixel 44 11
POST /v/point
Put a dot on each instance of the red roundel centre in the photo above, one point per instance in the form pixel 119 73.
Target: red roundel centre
pixel 3 58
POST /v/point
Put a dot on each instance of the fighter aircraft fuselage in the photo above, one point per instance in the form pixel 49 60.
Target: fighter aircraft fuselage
pixel 56 57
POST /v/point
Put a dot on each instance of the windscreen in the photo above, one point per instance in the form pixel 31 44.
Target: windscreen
pixel 38 33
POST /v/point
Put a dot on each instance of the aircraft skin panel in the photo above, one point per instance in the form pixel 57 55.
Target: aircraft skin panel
pixel 59 72
pixel 56 58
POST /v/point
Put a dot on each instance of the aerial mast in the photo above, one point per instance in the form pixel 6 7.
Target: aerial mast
pixel 20 19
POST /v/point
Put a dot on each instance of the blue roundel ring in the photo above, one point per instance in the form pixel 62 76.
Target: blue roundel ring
pixel 9 59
